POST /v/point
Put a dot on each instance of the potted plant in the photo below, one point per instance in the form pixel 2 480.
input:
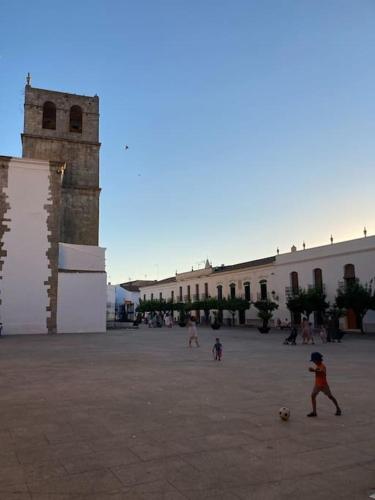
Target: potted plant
pixel 265 313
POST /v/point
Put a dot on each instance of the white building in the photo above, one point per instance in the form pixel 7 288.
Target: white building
pixel 123 300
pixel 45 286
pixel 273 277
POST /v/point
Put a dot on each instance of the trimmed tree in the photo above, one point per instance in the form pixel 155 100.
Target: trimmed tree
pixel 234 304
pixel 265 312
pixel 358 297
pixel 306 302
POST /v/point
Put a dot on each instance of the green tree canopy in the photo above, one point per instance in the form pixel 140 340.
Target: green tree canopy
pixel 358 297
pixel 265 310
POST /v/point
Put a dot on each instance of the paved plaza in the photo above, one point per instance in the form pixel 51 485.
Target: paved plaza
pixel 136 414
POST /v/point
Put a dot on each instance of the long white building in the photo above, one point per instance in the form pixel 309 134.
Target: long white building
pixel 273 277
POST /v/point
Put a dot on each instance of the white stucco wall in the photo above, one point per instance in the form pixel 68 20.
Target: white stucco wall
pixel 331 259
pixel 81 257
pixel 111 302
pixel 81 302
pixel 25 270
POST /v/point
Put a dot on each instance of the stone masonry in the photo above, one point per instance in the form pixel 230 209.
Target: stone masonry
pixel 79 210
pixel 53 223
pixel 4 206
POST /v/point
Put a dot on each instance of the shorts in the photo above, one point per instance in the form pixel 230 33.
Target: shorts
pixel 321 388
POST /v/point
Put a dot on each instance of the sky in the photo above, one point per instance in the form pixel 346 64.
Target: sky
pixel 250 124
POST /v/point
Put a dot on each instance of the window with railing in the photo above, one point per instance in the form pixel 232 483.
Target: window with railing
pixel 219 292
pixel 152 296
pixel 180 294
pixel 188 293
pixel 232 290
pixel 172 296
pixel 206 290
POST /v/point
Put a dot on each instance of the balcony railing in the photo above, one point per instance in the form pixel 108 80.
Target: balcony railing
pixel 263 296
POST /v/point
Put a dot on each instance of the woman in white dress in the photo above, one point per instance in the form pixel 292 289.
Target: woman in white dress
pixel 192 329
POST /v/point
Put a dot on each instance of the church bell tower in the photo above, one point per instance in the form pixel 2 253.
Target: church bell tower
pixel 65 128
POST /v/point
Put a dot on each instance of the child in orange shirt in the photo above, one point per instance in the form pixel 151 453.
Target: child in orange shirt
pixel 321 384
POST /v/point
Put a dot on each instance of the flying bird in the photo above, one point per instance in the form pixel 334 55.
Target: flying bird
pixel 126 146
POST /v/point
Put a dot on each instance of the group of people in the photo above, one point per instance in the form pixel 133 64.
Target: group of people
pixel 308 333
pixel 157 320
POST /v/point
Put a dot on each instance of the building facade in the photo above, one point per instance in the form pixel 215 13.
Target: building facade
pixel 275 277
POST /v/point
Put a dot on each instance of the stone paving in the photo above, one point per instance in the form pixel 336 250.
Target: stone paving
pixel 138 415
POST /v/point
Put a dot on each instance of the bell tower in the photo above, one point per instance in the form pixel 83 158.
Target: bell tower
pixel 65 128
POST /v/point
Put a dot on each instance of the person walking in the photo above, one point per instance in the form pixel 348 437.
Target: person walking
pixel 192 330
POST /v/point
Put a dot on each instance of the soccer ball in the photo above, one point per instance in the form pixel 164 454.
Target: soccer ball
pixel 284 413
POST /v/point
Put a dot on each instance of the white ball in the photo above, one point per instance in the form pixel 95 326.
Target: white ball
pixel 284 413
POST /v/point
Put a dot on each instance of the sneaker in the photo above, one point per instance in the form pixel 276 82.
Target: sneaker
pixel 338 412
pixel 312 414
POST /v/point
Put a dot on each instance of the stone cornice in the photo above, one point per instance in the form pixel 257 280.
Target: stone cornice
pixel 59 139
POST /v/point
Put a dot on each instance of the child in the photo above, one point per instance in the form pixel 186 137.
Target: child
pixel 321 384
pixel 323 334
pixel 218 350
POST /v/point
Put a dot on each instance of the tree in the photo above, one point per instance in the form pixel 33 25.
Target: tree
pixel 234 304
pixel 151 306
pixel 305 302
pixel 358 297
pixel 265 312
pixel 295 304
pixel 315 301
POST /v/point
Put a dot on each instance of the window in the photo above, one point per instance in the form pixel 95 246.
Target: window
pixel 220 292
pixel 160 296
pixel 49 116
pixel 197 292
pixel 232 290
pixel 152 296
pixel 75 119
pixel 263 290
pixel 294 282
pixel 188 293
pixel 180 294
pixel 318 279
pixel 206 290
pixel 144 296
pixel 247 291
pixel 349 271
pixel 172 296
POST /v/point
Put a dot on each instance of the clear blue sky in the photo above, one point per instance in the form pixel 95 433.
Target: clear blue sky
pixel 251 124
